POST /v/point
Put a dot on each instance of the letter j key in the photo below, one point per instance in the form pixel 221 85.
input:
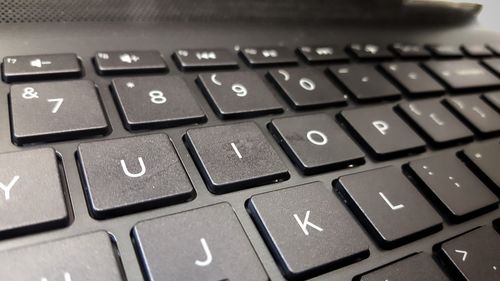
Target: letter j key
pixel 201 244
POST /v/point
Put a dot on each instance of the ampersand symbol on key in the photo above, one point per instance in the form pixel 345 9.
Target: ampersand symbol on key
pixel 29 93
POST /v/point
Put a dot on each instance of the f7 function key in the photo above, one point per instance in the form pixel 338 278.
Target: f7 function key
pixel 35 67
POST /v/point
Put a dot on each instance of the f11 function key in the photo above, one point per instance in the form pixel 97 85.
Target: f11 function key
pixel 35 67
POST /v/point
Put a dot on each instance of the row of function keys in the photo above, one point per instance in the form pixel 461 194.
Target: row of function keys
pixel 306 228
pixel 32 67
pixel 127 175
pixel 70 109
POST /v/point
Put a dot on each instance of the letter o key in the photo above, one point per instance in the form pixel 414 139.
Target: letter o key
pixel 323 141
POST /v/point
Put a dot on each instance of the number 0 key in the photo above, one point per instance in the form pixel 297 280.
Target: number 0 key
pixel 53 111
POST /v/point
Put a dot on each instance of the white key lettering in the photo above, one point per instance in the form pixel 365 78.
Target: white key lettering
pixel 236 150
pixel 303 225
pixel 58 101
pixel 389 202
pixel 67 277
pixel 323 141
pixel 134 175
pixel 6 189
pixel 208 254
pixel 381 126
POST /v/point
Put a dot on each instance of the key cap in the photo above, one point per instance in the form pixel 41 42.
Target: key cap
pixel 235 156
pixel 203 244
pixel 495 48
pixel 381 131
pixel 493 64
pixel 484 158
pixel 412 78
pixel 417 267
pixel 35 67
pixel 84 257
pixel 31 194
pixel 364 82
pixel 238 94
pixel 307 230
pixel 315 143
pixel 436 122
pixel 474 255
pixel 409 51
pixel 452 186
pixel 268 55
pixel 445 51
pixel 131 174
pixel 476 50
pixel 389 206
pixel 369 51
pixel 462 74
pixel 53 111
pixel 483 118
pixel 188 59
pixel 306 88
pixel 494 99
pixel 156 102
pixel 120 62
pixel 323 53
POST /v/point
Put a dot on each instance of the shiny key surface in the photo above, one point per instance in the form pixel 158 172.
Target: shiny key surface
pixel 131 174
pixel 32 197
pixel 307 230
pixel 37 67
pixel 381 131
pixel 233 157
pixel 202 244
pixel 408 269
pixel 155 102
pixel 54 111
pixel 85 257
pixel 316 143
pixel 306 88
pixel 389 206
pixel 453 186
pixel 474 255
pixel 238 94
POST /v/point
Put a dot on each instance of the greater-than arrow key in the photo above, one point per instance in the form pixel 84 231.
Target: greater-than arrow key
pixel 474 255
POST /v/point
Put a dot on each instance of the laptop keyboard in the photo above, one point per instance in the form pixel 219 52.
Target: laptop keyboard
pixel 403 99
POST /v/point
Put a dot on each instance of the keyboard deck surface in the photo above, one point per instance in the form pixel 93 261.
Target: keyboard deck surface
pixel 210 118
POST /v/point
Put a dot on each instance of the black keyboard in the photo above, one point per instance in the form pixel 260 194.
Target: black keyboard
pixel 353 161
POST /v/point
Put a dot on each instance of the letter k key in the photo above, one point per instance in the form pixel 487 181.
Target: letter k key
pixel 303 224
